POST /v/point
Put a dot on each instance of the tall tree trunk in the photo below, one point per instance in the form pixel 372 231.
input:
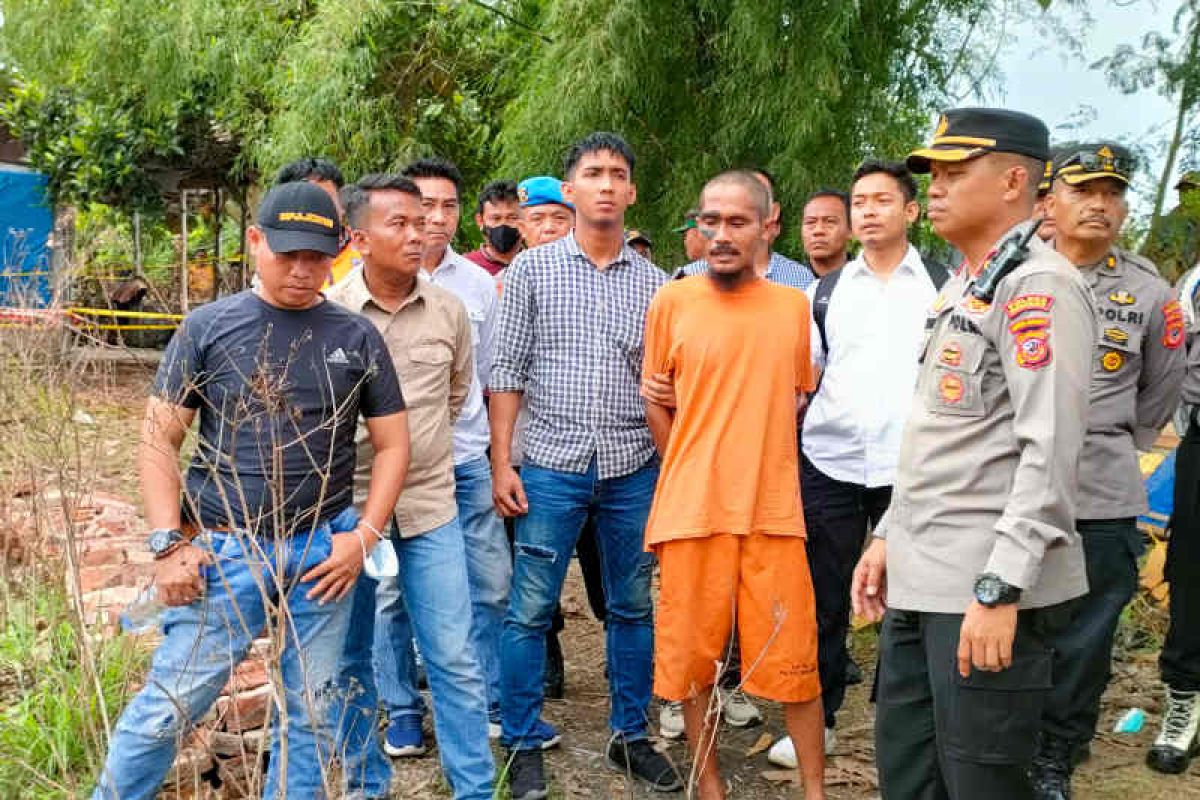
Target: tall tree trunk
pixel 1187 100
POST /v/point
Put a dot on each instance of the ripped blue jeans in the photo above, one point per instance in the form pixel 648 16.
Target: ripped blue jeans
pixel 559 502
pixel 249 577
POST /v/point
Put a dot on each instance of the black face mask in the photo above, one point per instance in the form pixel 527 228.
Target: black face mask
pixel 502 238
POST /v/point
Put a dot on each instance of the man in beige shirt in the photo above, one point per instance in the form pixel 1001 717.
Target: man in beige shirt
pixel 428 335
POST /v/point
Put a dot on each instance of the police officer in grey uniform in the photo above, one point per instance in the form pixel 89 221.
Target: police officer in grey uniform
pixel 1136 373
pixel 974 562
pixel 1177 741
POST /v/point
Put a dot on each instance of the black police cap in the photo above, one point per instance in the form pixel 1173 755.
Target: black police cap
pixel 1093 160
pixel 966 133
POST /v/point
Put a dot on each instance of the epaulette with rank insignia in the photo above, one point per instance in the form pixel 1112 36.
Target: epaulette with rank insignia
pixel 1141 262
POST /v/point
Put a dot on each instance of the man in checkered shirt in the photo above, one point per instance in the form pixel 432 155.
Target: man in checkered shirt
pixel 570 334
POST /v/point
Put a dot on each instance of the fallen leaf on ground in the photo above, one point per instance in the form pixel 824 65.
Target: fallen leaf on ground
pixel 762 745
pixel 781 775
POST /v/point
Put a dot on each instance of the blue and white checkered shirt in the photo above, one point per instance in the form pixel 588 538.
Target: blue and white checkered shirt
pixel 780 269
pixel 570 336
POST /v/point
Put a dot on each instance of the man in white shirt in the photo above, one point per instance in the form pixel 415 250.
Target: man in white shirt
pixel 867 345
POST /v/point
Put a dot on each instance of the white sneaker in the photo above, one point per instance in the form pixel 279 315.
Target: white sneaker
pixel 738 710
pixel 1177 741
pixel 670 720
pixel 783 752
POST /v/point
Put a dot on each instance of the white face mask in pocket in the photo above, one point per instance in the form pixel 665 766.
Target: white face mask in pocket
pixel 382 562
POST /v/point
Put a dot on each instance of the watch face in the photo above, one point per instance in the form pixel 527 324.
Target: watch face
pixel 987 590
pixel 161 540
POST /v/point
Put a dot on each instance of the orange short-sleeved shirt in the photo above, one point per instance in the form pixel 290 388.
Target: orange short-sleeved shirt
pixel 738 360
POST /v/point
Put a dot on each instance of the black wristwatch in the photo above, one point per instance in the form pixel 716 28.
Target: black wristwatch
pixel 163 540
pixel 992 591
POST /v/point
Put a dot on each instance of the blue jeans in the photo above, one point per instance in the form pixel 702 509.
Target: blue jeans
pixel 545 538
pixel 489 567
pixel 489 573
pixel 434 590
pixel 206 639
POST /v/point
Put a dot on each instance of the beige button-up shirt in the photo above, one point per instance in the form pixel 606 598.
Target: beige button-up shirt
pixel 988 466
pixel 429 339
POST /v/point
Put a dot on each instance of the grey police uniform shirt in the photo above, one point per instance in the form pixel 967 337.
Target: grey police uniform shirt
pixel 1137 370
pixel 988 465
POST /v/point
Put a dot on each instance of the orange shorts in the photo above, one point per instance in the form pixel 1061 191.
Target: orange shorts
pixel 761 580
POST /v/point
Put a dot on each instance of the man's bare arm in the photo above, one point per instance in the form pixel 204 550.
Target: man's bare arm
pixel 659 419
pixel 508 493
pixel 335 576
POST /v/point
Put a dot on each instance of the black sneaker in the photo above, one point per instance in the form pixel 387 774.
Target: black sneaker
pixel 639 759
pixel 526 781
pixel 1051 769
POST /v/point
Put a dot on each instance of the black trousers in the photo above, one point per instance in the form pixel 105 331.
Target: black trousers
pixel 939 736
pixel 1180 659
pixel 1083 650
pixel 837 516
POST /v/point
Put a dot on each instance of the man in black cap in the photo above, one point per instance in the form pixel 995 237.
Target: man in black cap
pixel 1137 371
pixel 977 555
pixel 279 378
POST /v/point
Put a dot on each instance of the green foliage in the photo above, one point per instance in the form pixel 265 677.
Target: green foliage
pixel 804 89
pixel 51 730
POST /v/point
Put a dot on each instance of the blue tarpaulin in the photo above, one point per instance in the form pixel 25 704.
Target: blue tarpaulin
pixel 26 221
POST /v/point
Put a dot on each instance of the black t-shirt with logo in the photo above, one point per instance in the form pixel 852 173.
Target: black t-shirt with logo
pixel 279 395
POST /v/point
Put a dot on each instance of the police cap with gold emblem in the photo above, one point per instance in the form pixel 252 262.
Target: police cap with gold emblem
pixel 1088 162
pixel 966 133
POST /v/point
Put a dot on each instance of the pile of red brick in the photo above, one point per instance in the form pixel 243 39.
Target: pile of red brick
pixel 224 758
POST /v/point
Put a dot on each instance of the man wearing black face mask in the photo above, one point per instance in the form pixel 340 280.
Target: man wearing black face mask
pixel 497 215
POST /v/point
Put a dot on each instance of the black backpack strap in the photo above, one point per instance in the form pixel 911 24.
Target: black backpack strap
pixel 939 273
pixel 821 305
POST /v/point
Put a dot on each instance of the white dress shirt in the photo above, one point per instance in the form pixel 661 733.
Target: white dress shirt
pixel 473 285
pixel 874 327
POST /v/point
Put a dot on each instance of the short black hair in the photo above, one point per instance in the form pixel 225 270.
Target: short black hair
pixel 595 143
pixel 435 167
pixel 497 192
pixel 308 169
pixel 827 192
pixel 898 171
pixel 357 196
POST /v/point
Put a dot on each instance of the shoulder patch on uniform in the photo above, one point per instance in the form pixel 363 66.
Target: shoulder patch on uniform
pixel 1116 335
pixel 1112 361
pixel 1028 302
pixel 1122 297
pixel 1033 348
pixel 951 354
pixel 951 388
pixel 976 306
pixel 1173 316
pixel 1028 324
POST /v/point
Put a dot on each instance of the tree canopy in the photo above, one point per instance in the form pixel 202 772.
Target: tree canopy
pixel 110 95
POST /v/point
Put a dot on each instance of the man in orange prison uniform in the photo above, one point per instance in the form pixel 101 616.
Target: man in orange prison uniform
pixel 726 523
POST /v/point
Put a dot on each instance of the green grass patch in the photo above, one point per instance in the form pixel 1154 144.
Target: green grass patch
pixel 52 709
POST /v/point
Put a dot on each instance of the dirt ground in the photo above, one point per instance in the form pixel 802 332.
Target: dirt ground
pixel 1116 770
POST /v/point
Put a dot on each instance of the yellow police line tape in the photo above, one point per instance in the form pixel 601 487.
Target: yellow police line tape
pixel 168 322
pixel 81 317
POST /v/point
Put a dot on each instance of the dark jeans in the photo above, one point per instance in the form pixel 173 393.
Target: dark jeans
pixel 1083 650
pixel 1180 659
pixel 939 736
pixel 837 517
